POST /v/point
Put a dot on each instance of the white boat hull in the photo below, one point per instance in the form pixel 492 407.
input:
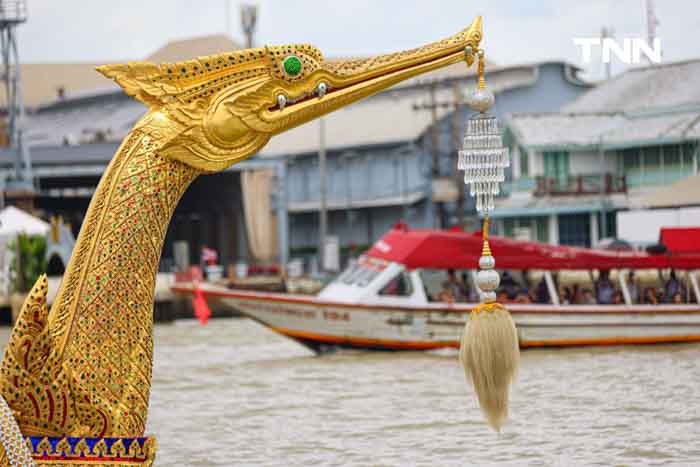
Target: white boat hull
pixel 317 323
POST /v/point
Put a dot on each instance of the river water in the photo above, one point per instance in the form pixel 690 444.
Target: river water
pixel 233 393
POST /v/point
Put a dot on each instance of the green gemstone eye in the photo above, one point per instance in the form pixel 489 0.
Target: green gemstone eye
pixel 292 65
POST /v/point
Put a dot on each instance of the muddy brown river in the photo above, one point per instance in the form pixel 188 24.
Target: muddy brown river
pixel 233 393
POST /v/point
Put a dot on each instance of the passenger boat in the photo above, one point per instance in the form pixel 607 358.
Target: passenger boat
pixel 381 301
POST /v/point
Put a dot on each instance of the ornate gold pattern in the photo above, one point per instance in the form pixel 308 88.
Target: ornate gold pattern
pixel 84 369
pixel 34 382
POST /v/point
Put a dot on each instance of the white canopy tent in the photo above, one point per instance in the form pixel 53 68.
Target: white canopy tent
pixel 14 221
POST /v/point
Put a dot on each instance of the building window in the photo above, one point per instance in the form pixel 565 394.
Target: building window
pixel 556 168
pixel 630 160
pixel 526 228
pixel 542 224
pixel 524 162
pixel 575 230
pixel 610 225
pixel 672 155
pixel 655 165
pixel 688 154
pixel 651 157
pixel 508 225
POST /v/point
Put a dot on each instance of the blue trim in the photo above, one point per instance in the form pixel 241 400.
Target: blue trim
pixel 73 442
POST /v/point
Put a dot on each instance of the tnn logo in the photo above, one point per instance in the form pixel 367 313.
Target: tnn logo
pixel 630 52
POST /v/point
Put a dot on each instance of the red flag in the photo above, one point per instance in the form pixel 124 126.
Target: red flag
pixel 209 256
pixel 201 307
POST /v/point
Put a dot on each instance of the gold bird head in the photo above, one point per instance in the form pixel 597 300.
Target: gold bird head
pixel 219 109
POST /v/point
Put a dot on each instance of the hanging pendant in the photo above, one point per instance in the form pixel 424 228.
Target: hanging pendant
pixel 483 157
pixel 489 346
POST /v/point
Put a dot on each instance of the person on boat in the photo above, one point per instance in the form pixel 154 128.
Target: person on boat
pixel 447 293
pixel 565 296
pixel 454 284
pixel 576 295
pixel 470 293
pixel 650 297
pixel 588 298
pixel 618 298
pixel 673 286
pixel 523 297
pixel 604 288
pixel 677 298
pixel 541 292
pixel 633 287
pixel 509 285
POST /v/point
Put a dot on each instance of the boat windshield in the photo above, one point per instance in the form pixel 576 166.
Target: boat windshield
pixel 362 271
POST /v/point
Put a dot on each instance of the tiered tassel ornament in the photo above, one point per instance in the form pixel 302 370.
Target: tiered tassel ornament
pixel 489 350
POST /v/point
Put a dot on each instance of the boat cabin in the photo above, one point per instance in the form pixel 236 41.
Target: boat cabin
pixel 406 267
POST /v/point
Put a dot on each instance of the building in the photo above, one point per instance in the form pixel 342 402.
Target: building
pixel 604 153
pixel 390 158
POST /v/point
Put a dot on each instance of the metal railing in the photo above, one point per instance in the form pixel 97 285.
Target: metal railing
pixel 575 185
pixel 519 185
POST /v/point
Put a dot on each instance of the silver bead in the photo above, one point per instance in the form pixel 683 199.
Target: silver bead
pixel 481 100
pixel 281 101
pixel 321 89
pixel 488 280
pixel 487 262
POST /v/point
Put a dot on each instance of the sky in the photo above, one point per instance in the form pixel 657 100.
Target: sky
pixel 515 31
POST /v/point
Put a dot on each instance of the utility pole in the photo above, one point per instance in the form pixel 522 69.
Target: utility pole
pixel 347 167
pixel 249 19
pixel 455 136
pixel 322 222
pixel 404 186
pixel 456 142
pixel 603 200
pixel 652 23
pixel 13 14
pixel 435 147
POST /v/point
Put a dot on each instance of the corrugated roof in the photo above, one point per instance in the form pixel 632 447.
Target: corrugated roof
pixel 95 122
pixel 539 130
pixel 641 106
pixel 667 85
pixel 545 129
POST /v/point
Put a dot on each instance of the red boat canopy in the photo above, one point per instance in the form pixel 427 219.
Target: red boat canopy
pixel 437 249
pixel 681 240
